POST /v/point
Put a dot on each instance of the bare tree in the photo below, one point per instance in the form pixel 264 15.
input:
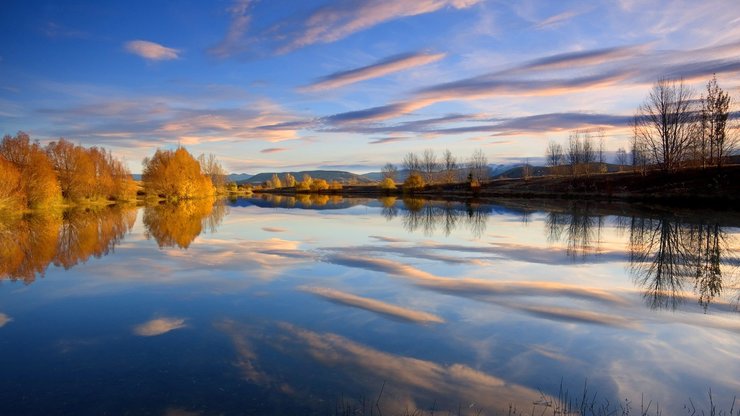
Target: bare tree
pixel 478 166
pixel 554 155
pixel 526 170
pixel 575 152
pixel 412 163
pixel 389 171
pixel 429 165
pixel 450 166
pixel 714 142
pixel 621 158
pixel 588 152
pixel 664 123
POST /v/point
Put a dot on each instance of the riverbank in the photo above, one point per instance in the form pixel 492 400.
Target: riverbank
pixel 686 187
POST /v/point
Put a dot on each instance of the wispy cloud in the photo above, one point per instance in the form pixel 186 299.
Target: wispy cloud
pixel 373 305
pixel 273 150
pixel 389 139
pixel 151 51
pixel 557 20
pixel 159 326
pixel 381 68
pixel 327 24
pixel 234 41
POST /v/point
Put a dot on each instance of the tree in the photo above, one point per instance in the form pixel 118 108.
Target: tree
pixel 389 171
pixel 413 182
pixel 289 180
pixel 714 143
pixel 74 167
pixel 450 166
pixel 387 184
pixel 38 179
pixel 554 155
pixel 664 123
pixel 412 163
pixel 276 183
pixel 621 158
pixel 575 152
pixel 429 165
pixel 318 185
pixel 478 166
pixel 12 197
pixel 305 183
pixel 175 174
pixel 212 168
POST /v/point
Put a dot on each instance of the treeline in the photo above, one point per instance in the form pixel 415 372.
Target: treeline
pixel 672 129
pixel 306 184
pixel 32 176
pixel 428 168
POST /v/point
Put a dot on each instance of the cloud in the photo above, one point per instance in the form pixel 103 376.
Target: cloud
pixel 273 150
pixel 151 51
pixel 373 305
pixel 233 42
pixel 326 24
pixel 159 326
pixel 389 139
pixel 556 20
pixel 384 67
pixel 4 319
pixel 274 229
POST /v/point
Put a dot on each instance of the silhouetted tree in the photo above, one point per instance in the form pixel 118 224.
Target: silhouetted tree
pixel 665 123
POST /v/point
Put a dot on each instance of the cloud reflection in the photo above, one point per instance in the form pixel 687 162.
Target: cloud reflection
pixel 374 305
pixel 4 319
pixel 159 326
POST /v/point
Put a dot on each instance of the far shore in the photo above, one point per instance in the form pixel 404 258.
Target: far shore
pixel 694 186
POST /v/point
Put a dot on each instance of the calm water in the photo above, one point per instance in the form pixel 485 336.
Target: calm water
pixel 284 306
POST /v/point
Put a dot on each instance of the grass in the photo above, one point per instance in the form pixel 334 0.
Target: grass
pixel 585 403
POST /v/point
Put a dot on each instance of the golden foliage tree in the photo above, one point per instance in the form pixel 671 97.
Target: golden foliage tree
pixel 175 174
pixel 413 182
pixel 38 179
pixel 12 198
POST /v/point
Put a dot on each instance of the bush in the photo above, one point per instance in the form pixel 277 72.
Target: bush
pixel 413 182
pixel 387 184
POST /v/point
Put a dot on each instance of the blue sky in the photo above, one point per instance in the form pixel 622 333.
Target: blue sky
pixel 351 85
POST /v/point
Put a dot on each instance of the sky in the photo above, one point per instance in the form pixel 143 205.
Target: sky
pixel 349 84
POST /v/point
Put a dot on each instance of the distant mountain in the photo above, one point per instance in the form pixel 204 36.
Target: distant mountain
pixel 327 175
pixel 238 177
pixel 232 177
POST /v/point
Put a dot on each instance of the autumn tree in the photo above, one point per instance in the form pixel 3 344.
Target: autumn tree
pixel 74 168
pixel 305 183
pixel 318 185
pixel 289 180
pixel 275 181
pixel 12 197
pixel 38 179
pixel 413 182
pixel 175 174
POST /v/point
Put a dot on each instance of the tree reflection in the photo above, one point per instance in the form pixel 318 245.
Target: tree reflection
pixel 28 244
pixel 668 257
pixel 420 214
pixel 578 227
pixel 178 224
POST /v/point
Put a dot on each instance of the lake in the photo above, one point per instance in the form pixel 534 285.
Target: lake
pixel 313 305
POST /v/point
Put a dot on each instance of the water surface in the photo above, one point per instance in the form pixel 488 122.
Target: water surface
pixel 278 305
